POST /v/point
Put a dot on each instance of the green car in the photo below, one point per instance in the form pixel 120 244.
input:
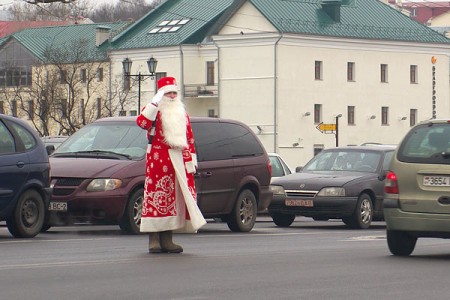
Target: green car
pixel 417 187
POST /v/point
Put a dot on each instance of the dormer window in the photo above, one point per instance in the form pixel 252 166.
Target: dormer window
pixel 169 26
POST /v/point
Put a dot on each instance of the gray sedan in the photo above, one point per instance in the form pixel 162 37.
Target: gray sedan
pixel 338 183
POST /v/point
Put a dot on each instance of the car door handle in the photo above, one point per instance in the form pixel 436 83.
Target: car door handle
pixel 203 174
pixel 20 164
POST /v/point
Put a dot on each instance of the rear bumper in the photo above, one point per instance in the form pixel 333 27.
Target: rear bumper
pixel 423 224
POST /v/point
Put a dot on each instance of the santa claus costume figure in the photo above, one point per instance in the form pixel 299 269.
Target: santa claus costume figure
pixel 169 194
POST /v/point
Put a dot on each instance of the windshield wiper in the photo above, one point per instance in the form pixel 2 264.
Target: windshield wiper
pixel 102 152
pixel 97 153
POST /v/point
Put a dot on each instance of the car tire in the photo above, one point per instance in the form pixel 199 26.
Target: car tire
pixel 363 214
pixel 400 243
pixel 282 220
pixel 243 216
pixel 131 219
pixel 28 215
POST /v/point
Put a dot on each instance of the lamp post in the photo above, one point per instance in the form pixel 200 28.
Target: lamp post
pixel 337 129
pixel 151 64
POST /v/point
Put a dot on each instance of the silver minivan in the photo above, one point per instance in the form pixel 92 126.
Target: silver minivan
pixel 417 187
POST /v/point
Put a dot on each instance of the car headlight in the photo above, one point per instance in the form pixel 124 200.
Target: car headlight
pixel 332 192
pixel 277 190
pixel 106 184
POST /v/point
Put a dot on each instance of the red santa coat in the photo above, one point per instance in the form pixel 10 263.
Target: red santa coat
pixel 169 193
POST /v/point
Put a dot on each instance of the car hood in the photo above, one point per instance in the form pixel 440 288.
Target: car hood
pixel 317 180
pixel 86 167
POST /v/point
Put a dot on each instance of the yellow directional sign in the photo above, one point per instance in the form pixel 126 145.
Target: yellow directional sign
pixel 327 127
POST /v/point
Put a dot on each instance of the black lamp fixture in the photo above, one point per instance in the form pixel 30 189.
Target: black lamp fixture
pixel 151 64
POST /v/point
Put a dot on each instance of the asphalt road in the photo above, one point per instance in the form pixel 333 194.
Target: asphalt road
pixel 309 260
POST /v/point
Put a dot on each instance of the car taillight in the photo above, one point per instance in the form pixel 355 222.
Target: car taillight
pixel 269 167
pixel 391 183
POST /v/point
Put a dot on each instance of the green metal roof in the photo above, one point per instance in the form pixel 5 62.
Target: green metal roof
pixel 38 40
pixel 366 19
pixel 202 14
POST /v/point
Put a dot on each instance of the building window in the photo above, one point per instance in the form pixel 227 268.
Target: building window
pixel 209 73
pixel 100 74
pixel 30 109
pixel 63 107
pixel 99 108
pixel 413 74
pixel 212 113
pixel 350 115
pixel 133 113
pixel 384 73
pixel 2 107
pixel 350 71
pixel 14 108
pixel 83 75
pixel 412 117
pixel 318 70
pixel 317 113
pixel 385 115
pixel 318 148
pixel 62 76
pixel 158 76
pixel 122 113
pixel 82 109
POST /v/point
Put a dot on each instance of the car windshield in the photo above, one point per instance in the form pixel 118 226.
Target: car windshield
pixel 106 138
pixel 344 160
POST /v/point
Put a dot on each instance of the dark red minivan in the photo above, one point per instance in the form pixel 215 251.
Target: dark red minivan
pixel 98 174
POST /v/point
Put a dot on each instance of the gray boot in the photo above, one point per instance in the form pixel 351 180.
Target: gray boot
pixel 167 245
pixel 154 245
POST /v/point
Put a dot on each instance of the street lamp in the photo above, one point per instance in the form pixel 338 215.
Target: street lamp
pixel 151 64
pixel 337 129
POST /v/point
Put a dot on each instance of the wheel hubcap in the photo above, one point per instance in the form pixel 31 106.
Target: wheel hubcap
pixel 246 211
pixel 366 211
pixel 137 211
pixel 30 213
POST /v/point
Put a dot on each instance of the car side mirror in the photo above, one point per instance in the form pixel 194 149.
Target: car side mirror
pixel 50 149
pixel 298 169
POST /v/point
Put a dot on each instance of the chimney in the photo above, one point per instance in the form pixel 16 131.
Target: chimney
pixel 101 35
pixel 333 9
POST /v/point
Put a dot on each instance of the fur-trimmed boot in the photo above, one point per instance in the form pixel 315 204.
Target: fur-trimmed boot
pixel 167 245
pixel 154 245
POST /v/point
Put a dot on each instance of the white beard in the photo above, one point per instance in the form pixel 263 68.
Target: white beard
pixel 173 118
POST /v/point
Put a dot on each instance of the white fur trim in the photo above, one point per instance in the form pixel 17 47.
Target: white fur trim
pixel 190 167
pixel 169 88
pixel 194 159
pixel 150 111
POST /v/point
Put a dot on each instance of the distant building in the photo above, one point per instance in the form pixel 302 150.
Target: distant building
pixel 423 12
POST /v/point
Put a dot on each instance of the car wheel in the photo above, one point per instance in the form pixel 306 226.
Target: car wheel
pixel 243 216
pixel 400 243
pixel 131 219
pixel 362 217
pixel 28 215
pixel 282 220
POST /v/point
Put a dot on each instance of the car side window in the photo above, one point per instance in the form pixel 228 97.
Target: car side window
pixel 26 137
pixel 242 142
pixel 209 143
pixel 6 140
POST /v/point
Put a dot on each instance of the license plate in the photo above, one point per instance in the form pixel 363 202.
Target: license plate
pixel 297 202
pixel 58 206
pixel 436 180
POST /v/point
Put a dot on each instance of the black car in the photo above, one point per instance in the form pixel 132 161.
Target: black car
pixel 338 183
pixel 24 178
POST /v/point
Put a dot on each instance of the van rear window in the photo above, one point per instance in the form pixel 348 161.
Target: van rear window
pixel 427 143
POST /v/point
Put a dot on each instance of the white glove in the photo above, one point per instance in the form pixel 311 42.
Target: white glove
pixel 158 97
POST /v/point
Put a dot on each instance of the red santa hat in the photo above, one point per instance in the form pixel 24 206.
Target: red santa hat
pixel 168 84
